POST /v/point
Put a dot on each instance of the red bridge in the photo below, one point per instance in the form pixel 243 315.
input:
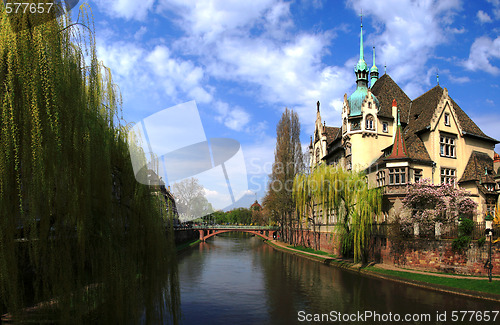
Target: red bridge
pixel 266 232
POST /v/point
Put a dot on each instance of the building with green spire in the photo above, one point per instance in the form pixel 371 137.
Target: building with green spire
pixel 397 141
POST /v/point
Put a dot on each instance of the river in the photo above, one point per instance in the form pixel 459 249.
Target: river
pixel 241 280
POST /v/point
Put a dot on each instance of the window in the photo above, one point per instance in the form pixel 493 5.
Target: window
pixel 355 125
pixel 369 104
pixel 369 123
pixel 347 149
pixel 317 155
pixel 385 127
pixel 489 187
pixel 349 164
pixel 448 176
pixel 446 119
pixel 381 178
pixel 447 145
pixel 397 176
pixel 418 175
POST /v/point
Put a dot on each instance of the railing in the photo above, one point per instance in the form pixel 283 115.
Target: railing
pixel 448 231
pixel 234 227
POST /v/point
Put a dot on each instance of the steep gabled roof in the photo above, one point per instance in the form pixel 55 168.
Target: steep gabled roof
pixel 385 89
pixel 478 163
pixel 332 133
pixel 423 108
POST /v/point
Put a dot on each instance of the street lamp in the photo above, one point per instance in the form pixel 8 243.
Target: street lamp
pixel 489 233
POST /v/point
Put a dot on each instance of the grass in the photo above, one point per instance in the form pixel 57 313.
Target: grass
pixel 185 245
pixel 310 250
pixel 462 283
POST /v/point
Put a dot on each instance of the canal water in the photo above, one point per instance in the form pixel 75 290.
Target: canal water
pixel 240 280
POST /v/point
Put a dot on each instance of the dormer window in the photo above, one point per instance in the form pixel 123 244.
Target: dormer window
pixel 447 119
pixel 416 116
pixel 489 187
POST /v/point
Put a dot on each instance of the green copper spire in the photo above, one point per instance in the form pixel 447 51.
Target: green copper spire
pixel 361 69
pixel 373 71
pixel 357 98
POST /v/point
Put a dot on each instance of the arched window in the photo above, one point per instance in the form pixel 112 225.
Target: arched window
pixel 369 123
pixel 317 155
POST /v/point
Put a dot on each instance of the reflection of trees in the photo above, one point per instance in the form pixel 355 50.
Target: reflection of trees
pixel 190 198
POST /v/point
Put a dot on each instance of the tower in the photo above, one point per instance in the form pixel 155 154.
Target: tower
pixel 359 116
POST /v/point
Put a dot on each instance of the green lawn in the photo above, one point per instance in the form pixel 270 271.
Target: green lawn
pixel 310 250
pixel 462 283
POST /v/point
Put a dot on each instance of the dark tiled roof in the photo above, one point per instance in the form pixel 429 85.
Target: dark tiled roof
pixel 332 133
pixel 416 148
pixel 385 89
pixel 422 109
pixel 476 167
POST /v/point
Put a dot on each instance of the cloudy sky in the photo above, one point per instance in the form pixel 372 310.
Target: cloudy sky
pixel 243 62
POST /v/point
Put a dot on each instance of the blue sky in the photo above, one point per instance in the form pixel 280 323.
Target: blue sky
pixel 243 62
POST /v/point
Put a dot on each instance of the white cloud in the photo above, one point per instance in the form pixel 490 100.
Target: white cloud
pixel 128 9
pixel 235 118
pixel 483 17
pixel 209 19
pixel 496 7
pixel 482 51
pixel 177 75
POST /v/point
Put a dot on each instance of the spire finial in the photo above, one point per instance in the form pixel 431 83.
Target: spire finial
pixel 374 56
pixel 317 104
pixel 385 68
pixel 361 55
pixel 437 76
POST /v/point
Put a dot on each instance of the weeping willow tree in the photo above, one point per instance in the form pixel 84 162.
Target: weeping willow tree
pixel 347 196
pixel 79 237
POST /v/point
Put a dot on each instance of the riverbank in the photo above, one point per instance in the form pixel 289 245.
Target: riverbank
pixel 469 286
pixel 186 245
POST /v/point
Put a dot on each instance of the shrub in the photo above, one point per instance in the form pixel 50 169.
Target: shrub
pixel 481 241
pixel 466 227
pixel 461 243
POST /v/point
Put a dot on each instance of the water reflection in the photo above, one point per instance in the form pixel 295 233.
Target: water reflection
pixel 240 280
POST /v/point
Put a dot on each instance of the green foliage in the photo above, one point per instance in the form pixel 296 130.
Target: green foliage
pixel 466 227
pixel 461 243
pixel 481 241
pixel 75 226
pixel 346 195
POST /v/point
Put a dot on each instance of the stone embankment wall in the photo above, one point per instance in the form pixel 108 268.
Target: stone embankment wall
pixel 420 254
pixel 438 255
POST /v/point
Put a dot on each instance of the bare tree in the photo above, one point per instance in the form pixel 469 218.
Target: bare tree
pixel 288 161
pixel 190 199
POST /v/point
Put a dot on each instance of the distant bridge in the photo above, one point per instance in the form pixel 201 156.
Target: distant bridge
pixel 266 232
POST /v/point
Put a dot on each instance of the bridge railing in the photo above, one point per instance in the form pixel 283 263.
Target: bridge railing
pixel 234 227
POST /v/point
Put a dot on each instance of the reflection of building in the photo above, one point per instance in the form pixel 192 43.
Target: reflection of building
pixel 397 141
